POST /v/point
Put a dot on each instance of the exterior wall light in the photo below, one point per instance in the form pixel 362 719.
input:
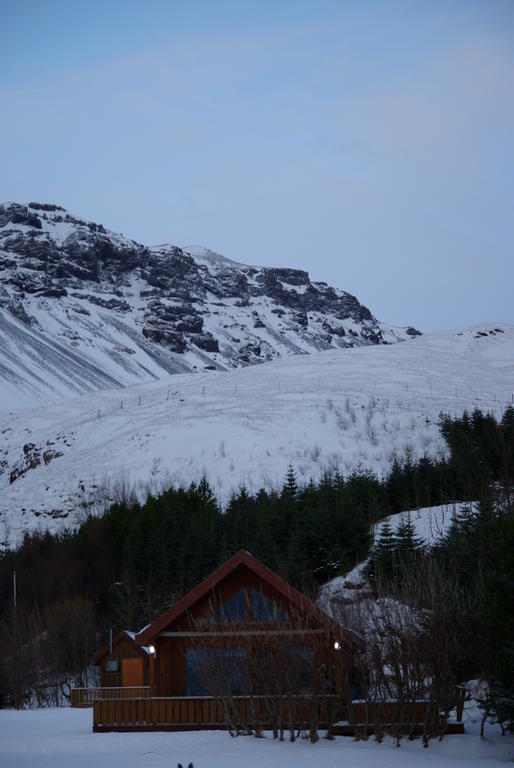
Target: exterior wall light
pixel 151 648
pixel 337 645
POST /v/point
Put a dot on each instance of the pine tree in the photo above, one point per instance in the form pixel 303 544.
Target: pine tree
pixel 290 485
pixel 408 546
pixel 381 562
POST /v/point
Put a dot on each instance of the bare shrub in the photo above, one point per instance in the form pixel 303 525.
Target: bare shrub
pixel 281 677
pixel 412 649
pixel 315 452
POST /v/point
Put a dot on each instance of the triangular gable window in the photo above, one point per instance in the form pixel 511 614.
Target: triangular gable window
pixel 264 610
pixel 233 610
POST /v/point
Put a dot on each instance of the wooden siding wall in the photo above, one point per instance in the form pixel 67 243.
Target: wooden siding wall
pixel 170 677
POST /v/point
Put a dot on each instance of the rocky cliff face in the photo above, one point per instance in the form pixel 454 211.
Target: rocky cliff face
pixel 83 308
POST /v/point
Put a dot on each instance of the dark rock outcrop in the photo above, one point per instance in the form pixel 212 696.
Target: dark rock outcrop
pixel 174 299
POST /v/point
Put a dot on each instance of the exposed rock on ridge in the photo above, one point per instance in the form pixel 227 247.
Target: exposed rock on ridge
pixel 129 312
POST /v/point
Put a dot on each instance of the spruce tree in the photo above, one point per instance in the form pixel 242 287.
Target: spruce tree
pixel 290 485
pixel 381 562
pixel 408 546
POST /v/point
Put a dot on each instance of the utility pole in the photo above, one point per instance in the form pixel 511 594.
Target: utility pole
pixel 17 697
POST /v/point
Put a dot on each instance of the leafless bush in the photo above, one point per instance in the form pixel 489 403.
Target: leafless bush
pixel 315 452
pixel 372 435
pixel 341 420
pixel 412 649
pixel 279 679
pixel 44 654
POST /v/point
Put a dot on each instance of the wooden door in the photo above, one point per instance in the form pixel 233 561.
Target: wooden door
pixel 131 672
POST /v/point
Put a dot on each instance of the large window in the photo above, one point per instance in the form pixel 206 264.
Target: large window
pixel 264 610
pixel 236 671
pixel 234 610
pixel 216 672
pixel 277 670
pixel 297 668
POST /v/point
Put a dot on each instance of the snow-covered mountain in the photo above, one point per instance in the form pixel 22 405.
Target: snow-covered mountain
pixel 352 409
pixel 84 309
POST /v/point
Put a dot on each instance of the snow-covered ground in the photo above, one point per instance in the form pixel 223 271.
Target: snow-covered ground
pixel 353 409
pixel 51 738
pixel 430 524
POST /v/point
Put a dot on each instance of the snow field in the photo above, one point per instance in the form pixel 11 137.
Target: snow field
pixel 51 738
pixel 351 410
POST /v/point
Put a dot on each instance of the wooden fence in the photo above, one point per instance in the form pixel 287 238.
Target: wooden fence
pixel 187 713
pixel 86 697
pixel 204 712
pixel 389 712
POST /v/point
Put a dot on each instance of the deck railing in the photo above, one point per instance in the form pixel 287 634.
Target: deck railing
pixel 394 711
pixel 190 712
pixel 183 713
pixel 86 697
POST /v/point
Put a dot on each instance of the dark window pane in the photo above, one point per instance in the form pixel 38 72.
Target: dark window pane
pixel 197 665
pixel 216 672
pixel 233 610
pixel 112 665
pixel 264 610
pixel 297 661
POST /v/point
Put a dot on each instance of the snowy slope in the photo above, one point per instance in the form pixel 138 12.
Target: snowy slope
pixel 352 409
pixel 83 308
pixel 430 524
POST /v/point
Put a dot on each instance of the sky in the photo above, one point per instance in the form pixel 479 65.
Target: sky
pixel 370 143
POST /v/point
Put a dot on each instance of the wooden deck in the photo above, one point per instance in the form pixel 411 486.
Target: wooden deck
pixel 189 713
pixel 86 697
pixel 367 717
pixel 203 712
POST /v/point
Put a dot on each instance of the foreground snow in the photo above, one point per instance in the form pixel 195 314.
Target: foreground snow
pixel 354 409
pixel 63 737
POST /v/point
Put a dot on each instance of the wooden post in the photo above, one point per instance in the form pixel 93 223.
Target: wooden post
pixel 151 673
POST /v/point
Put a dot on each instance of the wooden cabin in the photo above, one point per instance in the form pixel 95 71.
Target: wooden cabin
pixel 243 636
pixel 241 618
pixel 126 672
pixel 124 663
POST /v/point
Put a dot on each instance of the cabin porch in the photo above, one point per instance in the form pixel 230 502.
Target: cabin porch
pixel 188 713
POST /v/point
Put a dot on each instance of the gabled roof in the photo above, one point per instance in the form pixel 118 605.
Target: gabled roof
pixel 125 634
pixel 211 582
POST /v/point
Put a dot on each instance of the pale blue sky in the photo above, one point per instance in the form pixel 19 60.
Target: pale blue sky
pixel 371 143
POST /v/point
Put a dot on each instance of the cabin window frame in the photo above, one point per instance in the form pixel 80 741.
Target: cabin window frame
pixel 112 666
